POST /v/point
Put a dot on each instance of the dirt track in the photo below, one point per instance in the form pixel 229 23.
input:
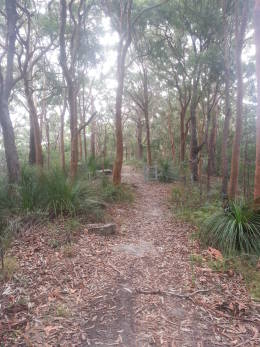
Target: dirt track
pixel 134 289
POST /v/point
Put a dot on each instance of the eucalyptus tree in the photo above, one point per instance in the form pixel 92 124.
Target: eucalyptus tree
pixel 9 27
pixel 188 35
pixel 124 15
pixel 140 92
pixel 227 34
pixel 241 20
pixel 37 40
pixel 73 45
pixel 257 41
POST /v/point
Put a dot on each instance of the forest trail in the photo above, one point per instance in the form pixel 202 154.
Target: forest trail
pixel 137 288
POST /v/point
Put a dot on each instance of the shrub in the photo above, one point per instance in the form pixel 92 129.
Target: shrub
pixel 112 193
pixel 236 230
pixel 29 188
pixel 61 196
pixel 51 191
pixel 164 171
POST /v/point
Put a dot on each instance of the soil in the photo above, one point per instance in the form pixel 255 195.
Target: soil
pixel 136 288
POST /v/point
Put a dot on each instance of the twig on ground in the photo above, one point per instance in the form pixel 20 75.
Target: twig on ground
pixel 179 295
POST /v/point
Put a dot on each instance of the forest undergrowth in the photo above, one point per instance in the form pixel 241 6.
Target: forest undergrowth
pixel 204 210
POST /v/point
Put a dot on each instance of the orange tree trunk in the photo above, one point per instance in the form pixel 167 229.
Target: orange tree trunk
pixel 257 167
pixel 123 47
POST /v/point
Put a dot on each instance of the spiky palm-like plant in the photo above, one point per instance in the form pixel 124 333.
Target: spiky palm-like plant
pixel 236 230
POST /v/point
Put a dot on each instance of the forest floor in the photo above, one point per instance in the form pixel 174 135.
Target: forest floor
pixel 136 288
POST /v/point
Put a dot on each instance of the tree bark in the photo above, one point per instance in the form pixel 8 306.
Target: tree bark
pixel 182 135
pixel 80 131
pixel 47 132
pixel 139 130
pixel 118 117
pixel 11 154
pixel 146 117
pixel 34 122
pixel 124 43
pixel 224 160
pixel 257 167
pixel 69 75
pixel 211 149
pixel 62 146
pixel 194 143
pixel 6 85
pixel 171 135
pixel 32 156
pixel 239 35
pixel 93 140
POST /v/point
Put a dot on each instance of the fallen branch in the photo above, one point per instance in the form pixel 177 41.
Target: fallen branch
pixel 179 295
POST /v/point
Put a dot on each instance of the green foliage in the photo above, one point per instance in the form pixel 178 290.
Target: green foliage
pixel 164 171
pixel 95 164
pixel 61 195
pixel 196 258
pixel 236 230
pixel 29 188
pixel 112 193
pixel 92 166
pixel 51 191
pixel 167 173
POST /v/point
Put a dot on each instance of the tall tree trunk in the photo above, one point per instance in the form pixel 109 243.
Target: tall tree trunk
pixel 70 76
pixel 224 159
pixel 6 85
pixel 182 134
pixel 105 145
pixel 84 120
pixel 47 131
pixel 171 135
pixel 211 149
pixel 33 119
pixel 239 35
pixel 32 156
pixel 11 154
pixel 146 117
pixel 72 100
pixel 139 130
pixel 118 117
pixel 257 166
pixel 124 43
pixel 194 143
pixel 80 131
pixel 62 146
pixel 93 139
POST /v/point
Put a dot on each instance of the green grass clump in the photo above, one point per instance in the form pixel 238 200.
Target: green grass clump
pixel 29 189
pixel 60 194
pixel 51 191
pixel 236 230
pixel 112 193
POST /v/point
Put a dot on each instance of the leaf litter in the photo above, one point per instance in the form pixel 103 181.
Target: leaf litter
pixel 135 288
